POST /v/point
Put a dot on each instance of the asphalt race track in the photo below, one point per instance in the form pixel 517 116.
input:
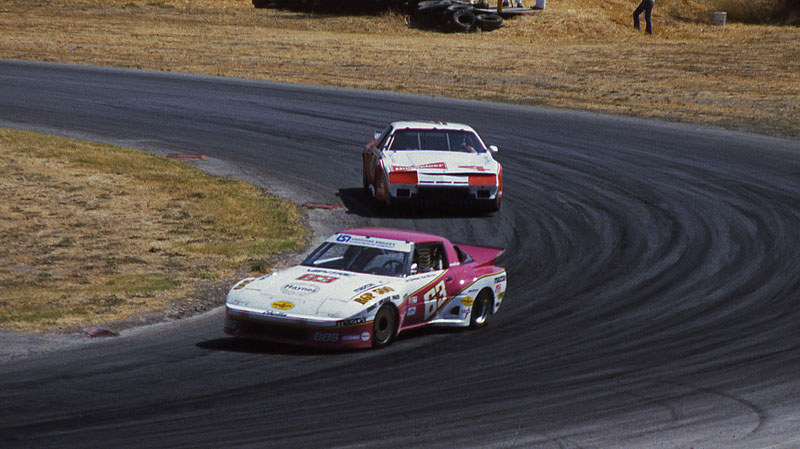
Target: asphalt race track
pixel 654 280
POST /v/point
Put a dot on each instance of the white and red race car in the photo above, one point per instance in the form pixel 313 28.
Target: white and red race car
pixel 448 162
pixel 362 287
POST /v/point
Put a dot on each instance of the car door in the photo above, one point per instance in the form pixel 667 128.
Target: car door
pixel 432 258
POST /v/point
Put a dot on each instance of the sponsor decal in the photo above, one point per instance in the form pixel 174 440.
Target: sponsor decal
pixel 365 336
pixel 317 278
pixel 433 165
pixel 500 279
pixel 412 300
pixel 350 337
pixel 371 242
pixel 500 296
pixel 335 273
pixel 365 298
pixel 369 296
pixel 326 337
pixel 411 311
pixel 365 287
pixel 296 289
pixel 351 321
pixel 467 301
pixel 473 167
pixel 420 277
pixel 282 305
pixel 273 313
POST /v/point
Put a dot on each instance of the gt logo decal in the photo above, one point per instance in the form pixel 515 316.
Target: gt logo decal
pixel 317 278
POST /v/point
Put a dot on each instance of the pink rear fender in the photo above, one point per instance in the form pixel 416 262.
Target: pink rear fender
pixel 482 255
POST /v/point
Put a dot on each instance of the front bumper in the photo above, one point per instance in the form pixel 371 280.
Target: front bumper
pixel 345 336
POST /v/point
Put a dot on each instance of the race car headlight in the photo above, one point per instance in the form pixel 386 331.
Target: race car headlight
pixel 403 177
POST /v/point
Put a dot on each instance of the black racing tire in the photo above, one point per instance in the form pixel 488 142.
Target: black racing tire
pixel 487 207
pixel 488 22
pixel 481 310
pixel 462 20
pixel 384 327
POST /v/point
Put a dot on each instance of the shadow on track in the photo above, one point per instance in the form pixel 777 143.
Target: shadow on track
pixel 243 345
pixel 357 202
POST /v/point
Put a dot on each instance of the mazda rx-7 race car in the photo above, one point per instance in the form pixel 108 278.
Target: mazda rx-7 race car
pixel 445 162
pixel 362 287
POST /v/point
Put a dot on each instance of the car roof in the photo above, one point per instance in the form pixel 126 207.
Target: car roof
pixel 395 234
pixel 431 125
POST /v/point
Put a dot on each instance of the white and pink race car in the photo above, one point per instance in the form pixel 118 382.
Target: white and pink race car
pixel 362 287
pixel 444 162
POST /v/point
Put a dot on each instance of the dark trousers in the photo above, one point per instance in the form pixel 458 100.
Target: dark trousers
pixel 647 7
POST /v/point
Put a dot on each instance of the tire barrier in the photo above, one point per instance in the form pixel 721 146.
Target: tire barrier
pixel 452 16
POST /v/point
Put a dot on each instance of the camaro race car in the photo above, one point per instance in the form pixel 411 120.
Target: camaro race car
pixel 432 161
pixel 362 287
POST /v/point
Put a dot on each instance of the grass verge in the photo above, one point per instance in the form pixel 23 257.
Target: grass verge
pixel 94 233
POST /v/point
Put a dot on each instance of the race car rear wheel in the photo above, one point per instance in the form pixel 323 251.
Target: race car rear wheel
pixel 383 328
pixel 481 309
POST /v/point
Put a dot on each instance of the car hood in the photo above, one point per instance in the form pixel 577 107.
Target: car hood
pixel 439 162
pixel 310 293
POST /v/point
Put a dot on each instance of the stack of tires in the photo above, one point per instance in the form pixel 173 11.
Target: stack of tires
pixel 453 16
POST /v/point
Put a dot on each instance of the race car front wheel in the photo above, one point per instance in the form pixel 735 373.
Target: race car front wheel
pixel 383 327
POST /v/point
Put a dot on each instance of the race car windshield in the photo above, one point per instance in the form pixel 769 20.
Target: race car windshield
pixel 436 140
pixel 361 259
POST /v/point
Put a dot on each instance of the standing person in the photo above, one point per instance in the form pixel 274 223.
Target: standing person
pixel 647 7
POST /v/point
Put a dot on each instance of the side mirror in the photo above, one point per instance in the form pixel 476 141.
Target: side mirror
pixel 493 148
pixel 377 134
pixel 414 268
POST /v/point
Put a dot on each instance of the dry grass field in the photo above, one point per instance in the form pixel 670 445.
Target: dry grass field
pixel 577 54
pixel 96 234
pixel 76 265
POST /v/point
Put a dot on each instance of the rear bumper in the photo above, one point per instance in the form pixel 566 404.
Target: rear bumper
pixel 443 193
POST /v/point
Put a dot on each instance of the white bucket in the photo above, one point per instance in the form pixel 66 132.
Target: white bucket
pixel 539 4
pixel 719 18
